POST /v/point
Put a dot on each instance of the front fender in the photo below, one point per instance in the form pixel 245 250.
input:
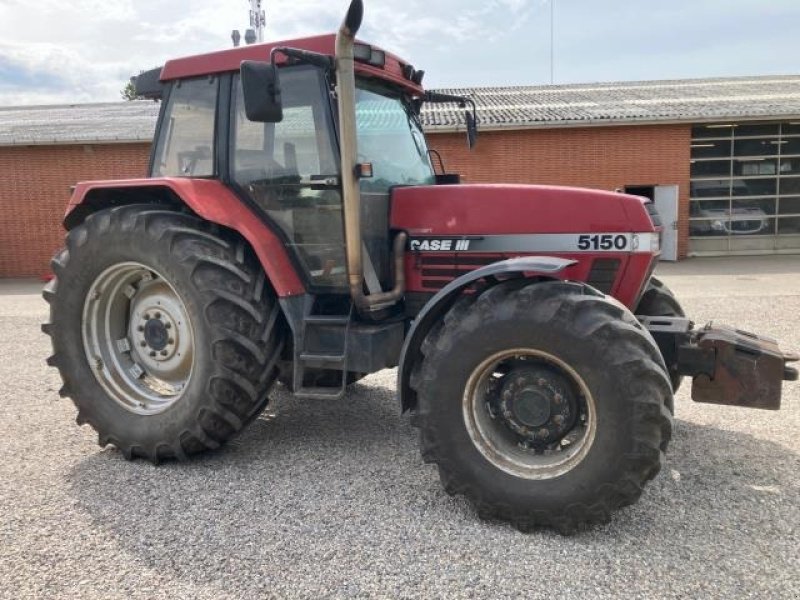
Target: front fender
pixel 544 267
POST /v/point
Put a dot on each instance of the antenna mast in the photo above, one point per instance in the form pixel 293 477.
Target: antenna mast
pixel 258 19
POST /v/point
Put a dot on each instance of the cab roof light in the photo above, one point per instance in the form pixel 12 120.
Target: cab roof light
pixel 362 52
pixel 367 54
pixel 377 58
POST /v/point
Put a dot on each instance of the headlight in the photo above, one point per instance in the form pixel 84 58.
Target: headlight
pixel 655 243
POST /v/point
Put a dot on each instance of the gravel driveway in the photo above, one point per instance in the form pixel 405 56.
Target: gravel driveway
pixel 332 498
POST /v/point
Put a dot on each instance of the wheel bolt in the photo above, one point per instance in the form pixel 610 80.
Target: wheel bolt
pixel 146 316
pixel 153 354
pixel 543 432
pixel 170 341
pixel 163 353
pixel 143 344
pixel 558 419
pixel 140 328
pixel 541 382
pixel 158 315
pixel 557 398
pixel 168 325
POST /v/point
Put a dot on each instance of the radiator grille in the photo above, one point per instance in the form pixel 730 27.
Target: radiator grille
pixel 604 274
pixel 438 271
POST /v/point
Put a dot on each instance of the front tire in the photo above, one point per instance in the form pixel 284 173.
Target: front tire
pixel 165 332
pixel 558 363
pixel 659 301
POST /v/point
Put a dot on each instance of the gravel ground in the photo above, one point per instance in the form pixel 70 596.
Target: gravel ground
pixel 332 499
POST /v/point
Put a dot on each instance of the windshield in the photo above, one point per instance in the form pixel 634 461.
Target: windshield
pixel 390 137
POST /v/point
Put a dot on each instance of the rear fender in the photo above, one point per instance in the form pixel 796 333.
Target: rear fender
pixel 535 267
pixel 207 198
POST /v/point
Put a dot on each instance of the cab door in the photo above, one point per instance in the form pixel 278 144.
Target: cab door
pixel 290 172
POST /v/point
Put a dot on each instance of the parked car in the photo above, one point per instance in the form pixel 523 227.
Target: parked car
pixel 747 220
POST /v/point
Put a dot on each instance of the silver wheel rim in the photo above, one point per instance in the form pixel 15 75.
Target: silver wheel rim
pixel 501 446
pixel 138 338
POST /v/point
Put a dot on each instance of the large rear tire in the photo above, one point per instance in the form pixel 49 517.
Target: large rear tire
pixel 542 403
pixel 165 331
pixel 659 301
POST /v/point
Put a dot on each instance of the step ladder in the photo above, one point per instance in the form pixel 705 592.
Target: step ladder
pixel 332 359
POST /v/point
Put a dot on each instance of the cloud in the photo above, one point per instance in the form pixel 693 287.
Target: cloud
pixel 86 50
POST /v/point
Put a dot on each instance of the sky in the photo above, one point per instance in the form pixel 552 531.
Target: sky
pixel 85 50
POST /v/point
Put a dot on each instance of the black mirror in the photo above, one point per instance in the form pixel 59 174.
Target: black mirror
pixel 262 92
pixel 472 129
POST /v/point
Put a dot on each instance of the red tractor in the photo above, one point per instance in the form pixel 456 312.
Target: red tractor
pixel 293 228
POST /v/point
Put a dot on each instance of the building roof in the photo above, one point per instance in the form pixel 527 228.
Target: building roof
pixel 576 105
pixel 78 123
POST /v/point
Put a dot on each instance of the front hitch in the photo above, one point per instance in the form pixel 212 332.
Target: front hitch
pixel 728 366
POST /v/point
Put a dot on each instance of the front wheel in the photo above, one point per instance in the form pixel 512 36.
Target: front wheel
pixel 543 403
pixel 659 301
pixel 165 332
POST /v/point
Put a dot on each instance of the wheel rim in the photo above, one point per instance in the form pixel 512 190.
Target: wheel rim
pixel 138 338
pixel 529 413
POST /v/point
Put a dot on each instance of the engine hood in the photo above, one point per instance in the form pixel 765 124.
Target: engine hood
pixel 515 209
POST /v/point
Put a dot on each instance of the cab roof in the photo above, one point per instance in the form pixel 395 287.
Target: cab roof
pixel 396 70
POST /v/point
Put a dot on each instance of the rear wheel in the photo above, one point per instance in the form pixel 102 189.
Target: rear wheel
pixel 544 404
pixel 659 301
pixel 166 333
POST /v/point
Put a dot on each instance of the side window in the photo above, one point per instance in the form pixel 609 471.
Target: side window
pixel 186 142
pixel 298 147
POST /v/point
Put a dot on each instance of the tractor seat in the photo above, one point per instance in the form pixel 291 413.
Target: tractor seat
pixel 256 165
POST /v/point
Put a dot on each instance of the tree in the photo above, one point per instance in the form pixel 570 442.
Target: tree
pixel 129 91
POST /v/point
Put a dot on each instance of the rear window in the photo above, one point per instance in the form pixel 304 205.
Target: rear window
pixel 185 145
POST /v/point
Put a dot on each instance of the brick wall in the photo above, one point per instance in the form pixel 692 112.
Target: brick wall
pixel 34 190
pixel 34 180
pixel 598 157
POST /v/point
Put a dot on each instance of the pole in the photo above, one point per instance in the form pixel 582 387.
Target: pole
pixel 552 40
pixel 258 19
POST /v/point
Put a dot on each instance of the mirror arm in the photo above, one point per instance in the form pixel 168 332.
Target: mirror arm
pixel 313 58
pixel 462 102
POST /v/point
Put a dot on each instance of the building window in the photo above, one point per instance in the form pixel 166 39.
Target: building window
pixel 745 187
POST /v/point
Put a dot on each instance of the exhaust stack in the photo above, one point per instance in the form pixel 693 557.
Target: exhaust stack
pixel 348 141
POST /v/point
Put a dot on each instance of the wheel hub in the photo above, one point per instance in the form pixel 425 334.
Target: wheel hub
pixel 159 331
pixel 155 334
pixel 537 404
pixel 531 408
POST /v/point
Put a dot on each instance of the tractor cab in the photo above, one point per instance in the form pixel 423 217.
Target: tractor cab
pixel 275 141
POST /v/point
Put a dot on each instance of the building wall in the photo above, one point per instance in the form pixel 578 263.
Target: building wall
pixel 34 190
pixel 35 180
pixel 597 157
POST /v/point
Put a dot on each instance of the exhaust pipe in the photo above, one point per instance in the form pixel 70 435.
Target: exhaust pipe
pixel 348 140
